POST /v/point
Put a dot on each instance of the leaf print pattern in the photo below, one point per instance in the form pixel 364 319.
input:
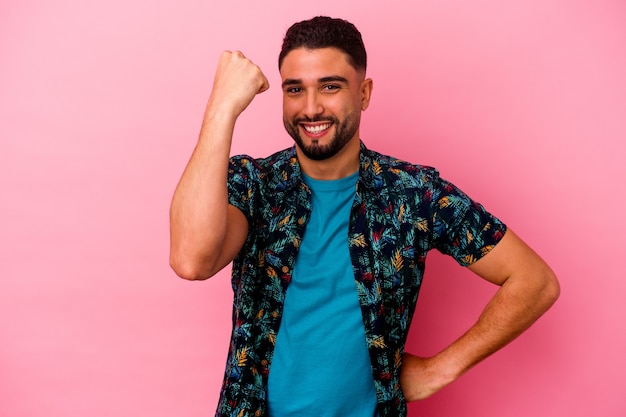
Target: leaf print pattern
pixel 242 357
pixel 400 212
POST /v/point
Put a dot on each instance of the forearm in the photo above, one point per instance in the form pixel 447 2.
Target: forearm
pixel 517 304
pixel 199 206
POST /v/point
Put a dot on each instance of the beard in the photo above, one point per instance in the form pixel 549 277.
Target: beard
pixel 344 132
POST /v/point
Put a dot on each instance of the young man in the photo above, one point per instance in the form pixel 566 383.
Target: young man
pixel 329 241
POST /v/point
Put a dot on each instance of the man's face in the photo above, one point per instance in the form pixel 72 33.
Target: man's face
pixel 323 96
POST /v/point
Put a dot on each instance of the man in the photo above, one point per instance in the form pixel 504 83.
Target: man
pixel 329 241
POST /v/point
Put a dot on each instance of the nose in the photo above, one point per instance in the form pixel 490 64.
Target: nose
pixel 313 105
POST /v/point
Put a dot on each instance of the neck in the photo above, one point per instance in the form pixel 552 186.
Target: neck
pixel 341 165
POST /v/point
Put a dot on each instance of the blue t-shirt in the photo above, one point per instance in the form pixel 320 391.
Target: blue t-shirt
pixel 321 366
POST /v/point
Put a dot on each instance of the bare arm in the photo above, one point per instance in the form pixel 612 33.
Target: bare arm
pixel 528 288
pixel 205 231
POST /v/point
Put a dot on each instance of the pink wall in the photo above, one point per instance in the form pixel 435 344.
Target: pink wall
pixel 521 103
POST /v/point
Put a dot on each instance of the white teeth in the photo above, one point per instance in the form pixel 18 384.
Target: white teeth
pixel 317 129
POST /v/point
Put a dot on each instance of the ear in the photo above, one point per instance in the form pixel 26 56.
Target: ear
pixel 366 93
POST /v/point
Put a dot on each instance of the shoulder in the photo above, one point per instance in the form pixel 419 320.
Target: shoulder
pixel 276 171
pixel 389 171
pixel 276 160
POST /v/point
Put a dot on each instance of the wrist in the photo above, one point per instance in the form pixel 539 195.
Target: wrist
pixel 446 368
pixel 220 113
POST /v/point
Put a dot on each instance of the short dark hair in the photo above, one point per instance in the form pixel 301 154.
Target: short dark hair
pixel 326 32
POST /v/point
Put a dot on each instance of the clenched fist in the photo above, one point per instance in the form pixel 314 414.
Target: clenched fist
pixel 237 81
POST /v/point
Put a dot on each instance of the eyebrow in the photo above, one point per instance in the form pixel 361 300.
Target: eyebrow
pixel 331 78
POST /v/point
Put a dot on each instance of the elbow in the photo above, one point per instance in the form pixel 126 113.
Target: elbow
pixel 556 289
pixel 551 289
pixel 189 270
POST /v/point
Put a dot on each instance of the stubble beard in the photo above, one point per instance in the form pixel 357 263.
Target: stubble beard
pixel 344 131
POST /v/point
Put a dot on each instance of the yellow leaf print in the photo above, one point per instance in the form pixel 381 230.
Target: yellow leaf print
pixel 444 202
pixel 469 236
pixel 242 357
pixel 397 261
pixel 358 240
pixel 398 359
pixel 468 259
pixel 284 221
pixel 378 342
pixel 377 169
pixel 422 225
pixel 401 212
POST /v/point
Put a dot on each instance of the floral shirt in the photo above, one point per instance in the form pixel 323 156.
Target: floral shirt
pixel 400 212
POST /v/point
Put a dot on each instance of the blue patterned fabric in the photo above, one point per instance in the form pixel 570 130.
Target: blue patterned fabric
pixel 400 212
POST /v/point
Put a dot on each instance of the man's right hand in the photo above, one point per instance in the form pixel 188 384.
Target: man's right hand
pixel 237 81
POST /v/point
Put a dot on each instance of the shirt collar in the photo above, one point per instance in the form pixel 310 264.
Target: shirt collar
pixel 370 175
pixel 289 174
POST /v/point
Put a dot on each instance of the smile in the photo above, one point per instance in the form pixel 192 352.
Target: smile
pixel 317 128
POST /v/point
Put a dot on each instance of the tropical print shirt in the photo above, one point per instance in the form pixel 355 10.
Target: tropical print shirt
pixel 400 212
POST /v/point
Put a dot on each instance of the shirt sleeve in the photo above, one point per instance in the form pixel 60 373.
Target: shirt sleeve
pixel 243 176
pixel 462 228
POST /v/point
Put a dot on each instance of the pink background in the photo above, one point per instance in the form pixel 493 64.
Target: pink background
pixel 521 103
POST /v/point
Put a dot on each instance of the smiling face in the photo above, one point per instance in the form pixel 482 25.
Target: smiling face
pixel 323 96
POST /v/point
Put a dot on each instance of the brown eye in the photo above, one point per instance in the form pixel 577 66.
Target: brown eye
pixel 330 88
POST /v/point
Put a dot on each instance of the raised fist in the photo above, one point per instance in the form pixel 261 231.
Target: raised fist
pixel 237 81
